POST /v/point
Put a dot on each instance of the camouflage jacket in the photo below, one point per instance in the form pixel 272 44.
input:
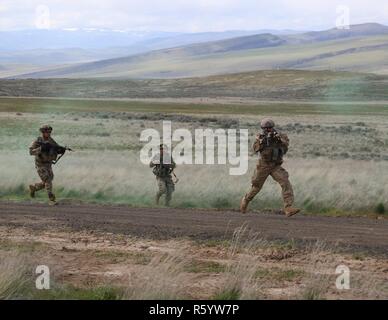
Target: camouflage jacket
pixel 272 147
pixel 43 157
pixel 160 169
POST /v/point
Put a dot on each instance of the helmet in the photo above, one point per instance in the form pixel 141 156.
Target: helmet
pixel 267 123
pixel 46 128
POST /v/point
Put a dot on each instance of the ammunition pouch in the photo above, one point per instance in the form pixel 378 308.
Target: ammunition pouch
pixel 272 154
pixel 162 170
pixel 277 154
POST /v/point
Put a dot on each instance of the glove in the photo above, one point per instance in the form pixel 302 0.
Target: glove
pixel 277 137
pixel 45 147
pixel 260 137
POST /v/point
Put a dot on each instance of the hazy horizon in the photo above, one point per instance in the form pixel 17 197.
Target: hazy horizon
pixel 186 17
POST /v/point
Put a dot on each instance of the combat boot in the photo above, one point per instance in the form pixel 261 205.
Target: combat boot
pixel 290 211
pixel 168 199
pixel 244 205
pixel 32 191
pixel 52 199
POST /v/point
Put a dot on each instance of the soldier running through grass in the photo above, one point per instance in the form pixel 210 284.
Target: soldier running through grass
pixel 46 152
pixel 163 166
pixel 272 146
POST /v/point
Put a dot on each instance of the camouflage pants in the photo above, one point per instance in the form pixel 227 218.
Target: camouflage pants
pixel 46 174
pixel 166 187
pixel 279 174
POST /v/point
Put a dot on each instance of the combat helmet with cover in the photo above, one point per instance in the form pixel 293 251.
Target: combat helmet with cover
pixel 46 128
pixel 267 123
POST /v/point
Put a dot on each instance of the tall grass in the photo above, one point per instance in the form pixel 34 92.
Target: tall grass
pixel 163 278
pixel 247 272
pixel 13 275
pixel 328 162
pixel 320 185
pixel 319 276
pixel 239 279
pixel 167 276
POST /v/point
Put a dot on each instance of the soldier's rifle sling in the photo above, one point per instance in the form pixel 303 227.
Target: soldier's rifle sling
pixel 176 178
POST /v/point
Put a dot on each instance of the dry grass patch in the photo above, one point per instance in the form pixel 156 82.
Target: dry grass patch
pixel 13 274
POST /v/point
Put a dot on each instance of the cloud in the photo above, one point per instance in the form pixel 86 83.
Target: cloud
pixel 3 7
pixel 194 15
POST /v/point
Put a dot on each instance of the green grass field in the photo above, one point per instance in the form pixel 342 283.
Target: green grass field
pixel 336 161
pixel 54 105
pixel 254 87
pixel 338 164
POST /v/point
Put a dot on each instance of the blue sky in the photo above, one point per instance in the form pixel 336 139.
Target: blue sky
pixel 185 15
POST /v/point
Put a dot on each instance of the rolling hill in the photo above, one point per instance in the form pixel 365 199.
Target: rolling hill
pixel 27 51
pixel 362 48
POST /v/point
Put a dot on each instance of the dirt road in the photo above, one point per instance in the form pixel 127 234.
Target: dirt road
pixel 349 233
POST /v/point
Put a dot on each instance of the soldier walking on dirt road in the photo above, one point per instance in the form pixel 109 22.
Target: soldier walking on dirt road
pixel 163 166
pixel 46 152
pixel 272 146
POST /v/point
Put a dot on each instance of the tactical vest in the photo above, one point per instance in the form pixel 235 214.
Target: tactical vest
pixel 272 150
pixel 46 157
pixel 162 170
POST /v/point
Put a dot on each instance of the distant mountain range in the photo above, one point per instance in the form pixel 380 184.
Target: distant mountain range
pixel 361 48
pixel 103 39
pixel 35 50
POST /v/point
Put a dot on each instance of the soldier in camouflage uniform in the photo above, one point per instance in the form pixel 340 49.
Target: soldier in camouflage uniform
pixel 272 146
pixel 46 151
pixel 163 168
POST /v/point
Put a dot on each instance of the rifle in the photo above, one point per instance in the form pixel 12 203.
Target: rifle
pixel 47 148
pixel 59 158
pixel 158 166
pixel 270 136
